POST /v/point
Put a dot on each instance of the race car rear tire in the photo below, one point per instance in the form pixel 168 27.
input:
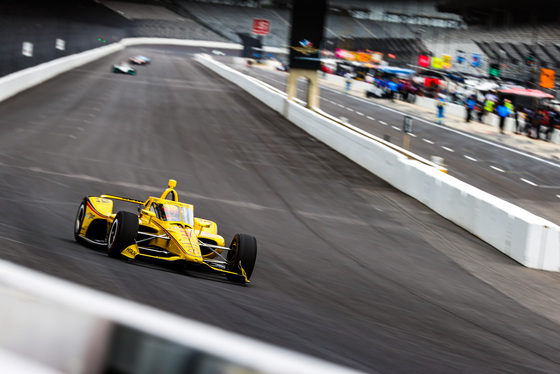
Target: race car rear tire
pixel 80 215
pixel 243 253
pixel 122 233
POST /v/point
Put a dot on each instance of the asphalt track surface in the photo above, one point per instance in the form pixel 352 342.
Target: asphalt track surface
pixel 349 269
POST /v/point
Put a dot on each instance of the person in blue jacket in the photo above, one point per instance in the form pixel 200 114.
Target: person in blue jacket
pixel 503 112
pixel 440 105
pixel 469 106
pixel 393 87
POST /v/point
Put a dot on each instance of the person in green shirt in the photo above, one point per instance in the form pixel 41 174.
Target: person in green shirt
pixel 489 106
pixel 508 104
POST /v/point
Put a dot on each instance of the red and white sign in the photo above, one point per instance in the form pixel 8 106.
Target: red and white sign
pixel 260 26
pixel 424 61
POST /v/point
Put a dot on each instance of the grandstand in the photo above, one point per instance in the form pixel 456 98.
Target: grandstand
pixel 519 41
pixel 399 28
pixel 82 25
pixel 353 25
pixel 153 19
pixel 230 20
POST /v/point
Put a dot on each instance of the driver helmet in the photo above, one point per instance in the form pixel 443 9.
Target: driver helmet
pixel 172 212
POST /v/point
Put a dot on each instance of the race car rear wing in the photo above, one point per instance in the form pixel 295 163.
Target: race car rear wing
pixel 112 197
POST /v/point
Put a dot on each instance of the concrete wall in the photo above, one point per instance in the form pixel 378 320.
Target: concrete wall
pixel 52 326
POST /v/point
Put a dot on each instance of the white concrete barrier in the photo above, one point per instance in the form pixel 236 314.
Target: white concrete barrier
pixel 525 237
pixel 17 82
pixel 52 326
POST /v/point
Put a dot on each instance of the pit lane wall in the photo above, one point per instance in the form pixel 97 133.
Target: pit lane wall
pixel 52 326
pixel 528 239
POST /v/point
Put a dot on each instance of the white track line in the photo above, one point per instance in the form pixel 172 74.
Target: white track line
pixel 498 169
pixel 447 149
pixel 428 141
pixel 528 182
pixel 470 158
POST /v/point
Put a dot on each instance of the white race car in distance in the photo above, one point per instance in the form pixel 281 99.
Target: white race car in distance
pixel 140 60
pixel 124 68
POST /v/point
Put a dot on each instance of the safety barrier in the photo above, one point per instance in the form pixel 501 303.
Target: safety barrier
pixel 528 239
pixel 52 326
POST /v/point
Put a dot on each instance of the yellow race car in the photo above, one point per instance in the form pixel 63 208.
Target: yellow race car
pixel 166 230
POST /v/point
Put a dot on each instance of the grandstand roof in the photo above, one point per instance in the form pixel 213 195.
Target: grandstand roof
pixel 503 12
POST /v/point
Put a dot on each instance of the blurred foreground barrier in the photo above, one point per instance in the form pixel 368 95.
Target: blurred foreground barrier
pixel 52 326
pixel 525 237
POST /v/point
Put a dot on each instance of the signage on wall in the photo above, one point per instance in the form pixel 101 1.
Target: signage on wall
pixel 476 60
pixel 308 21
pixel 27 49
pixel 60 44
pixel 260 26
pixel 424 61
pixel 447 61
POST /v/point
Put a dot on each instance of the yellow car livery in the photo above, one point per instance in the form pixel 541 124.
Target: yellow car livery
pixel 166 230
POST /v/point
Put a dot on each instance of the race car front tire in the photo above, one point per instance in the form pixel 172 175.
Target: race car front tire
pixel 79 221
pixel 243 253
pixel 122 233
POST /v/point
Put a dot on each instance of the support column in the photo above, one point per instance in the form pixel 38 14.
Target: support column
pixel 312 81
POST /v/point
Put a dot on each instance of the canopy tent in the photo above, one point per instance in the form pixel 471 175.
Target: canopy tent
pixel 526 97
pixel 526 92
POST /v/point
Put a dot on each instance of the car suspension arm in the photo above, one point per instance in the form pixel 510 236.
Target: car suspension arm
pixel 152 236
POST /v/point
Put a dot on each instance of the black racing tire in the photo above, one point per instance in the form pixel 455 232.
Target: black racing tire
pixel 80 215
pixel 122 233
pixel 243 253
